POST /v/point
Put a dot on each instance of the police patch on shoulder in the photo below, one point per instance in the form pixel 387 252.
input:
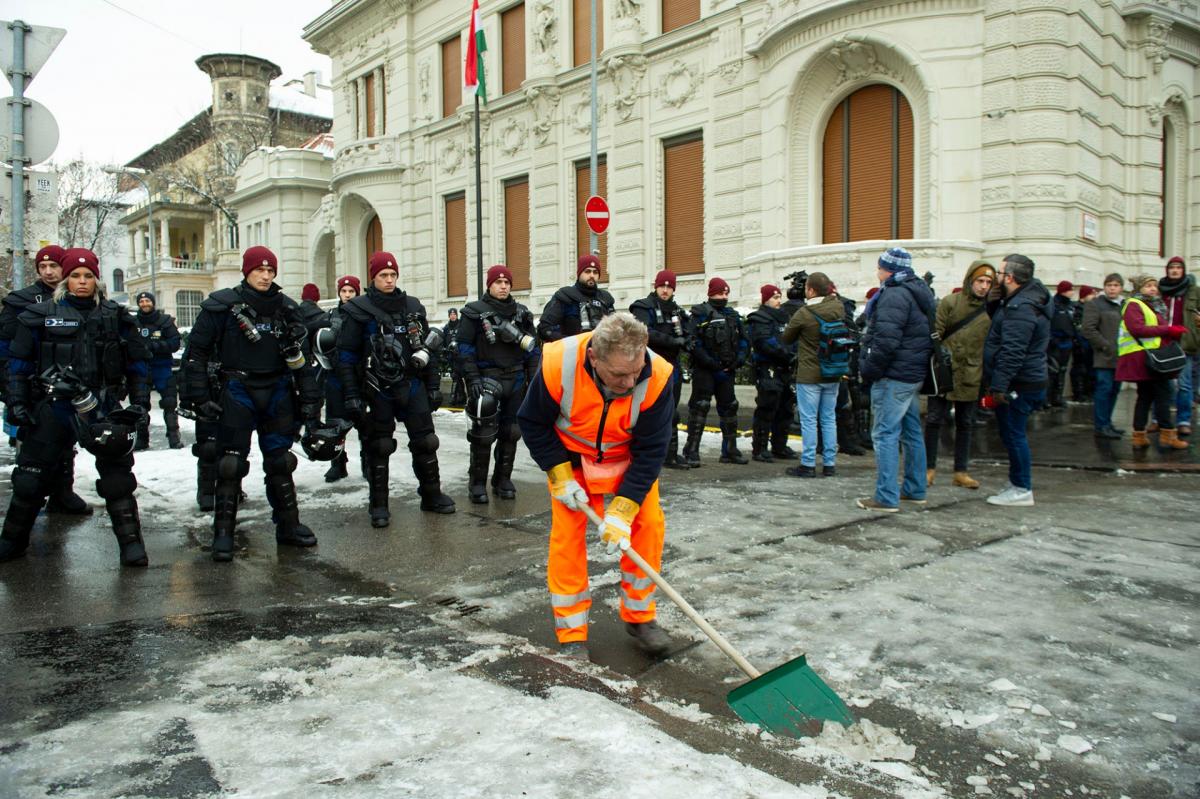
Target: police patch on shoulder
pixel 55 322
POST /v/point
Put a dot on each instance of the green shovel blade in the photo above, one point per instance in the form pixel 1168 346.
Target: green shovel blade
pixel 789 700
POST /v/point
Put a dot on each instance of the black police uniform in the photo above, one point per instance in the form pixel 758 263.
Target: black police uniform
pixel 573 310
pixel 62 351
pixel 312 316
pixel 667 323
pixel 775 402
pixel 719 348
pixel 449 356
pixel 384 334
pixel 260 342
pixel 63 498
pixel 497 370
pixel 161 337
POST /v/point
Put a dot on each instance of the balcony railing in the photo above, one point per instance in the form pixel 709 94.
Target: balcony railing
pixel 166 265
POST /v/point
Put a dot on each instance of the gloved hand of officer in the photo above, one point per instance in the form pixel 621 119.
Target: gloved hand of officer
pixel 435 399
pixel 209 411
pixel 310 413
pixel 352 409
pixel 564 487
pixel 618 520
pixel 19 414
pixel 474 389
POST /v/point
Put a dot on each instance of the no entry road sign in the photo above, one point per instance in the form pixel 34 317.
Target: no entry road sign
pixel 595 211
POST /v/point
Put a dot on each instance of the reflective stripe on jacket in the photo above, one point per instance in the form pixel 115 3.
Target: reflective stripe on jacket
pixel 1126 343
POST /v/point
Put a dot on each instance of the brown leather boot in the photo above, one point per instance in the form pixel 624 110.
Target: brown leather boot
pixel 965 480
pixel 1168 438
pixel 1139 440
pixel 929 475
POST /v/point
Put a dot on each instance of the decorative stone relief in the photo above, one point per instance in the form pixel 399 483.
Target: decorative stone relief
pixel 580 114
pixel 625 72
pixel 679 84
pixel 545 34
pixel 853 59
pixel 423 88
pixel 1157 111
pixel 996 194
pixel 1090 197
pixel 543 100
pixel 1044 191
pixel 348 94
pixel 729 71
pixel 628 14
pixel 1157 31
pixel 452 156
pixel 512 136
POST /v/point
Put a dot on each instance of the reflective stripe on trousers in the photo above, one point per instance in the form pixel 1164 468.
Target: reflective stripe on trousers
pixel 567 571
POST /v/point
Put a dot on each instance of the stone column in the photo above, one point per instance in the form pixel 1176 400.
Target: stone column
pixel 380 99
pixel 164 237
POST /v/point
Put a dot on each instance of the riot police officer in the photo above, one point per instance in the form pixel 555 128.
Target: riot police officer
pixel 312 316
pixel 161 337
pixel 73 358
pixel 386 331
pixel 48 262
pixel 325 349
pixel 667 323
pixel 498 356
pixel 719 348
pixel 578 308
pixel 774 405
pixel 458 386
pixel 255 332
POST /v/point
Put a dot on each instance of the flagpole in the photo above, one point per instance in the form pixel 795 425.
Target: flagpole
pixel 478 207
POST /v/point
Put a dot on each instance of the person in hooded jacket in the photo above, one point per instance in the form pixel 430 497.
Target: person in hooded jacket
pixel 962 325
pixel 667 324
pixel 1015 375
pixel 162 338
pixel 48 264
pixel 348 287
pixel 894 360
pixel 1145 325
pixel 578 308
pixel 719 347
pixel 774 404
pixel 254 331
pixel 1101 326
pixel 1175 288
pixel 385 339
pixel 498 357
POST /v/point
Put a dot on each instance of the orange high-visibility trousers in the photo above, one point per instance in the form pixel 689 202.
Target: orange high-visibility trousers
pixel 567 572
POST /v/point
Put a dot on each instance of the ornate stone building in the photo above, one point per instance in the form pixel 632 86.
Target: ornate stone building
pixel 749 139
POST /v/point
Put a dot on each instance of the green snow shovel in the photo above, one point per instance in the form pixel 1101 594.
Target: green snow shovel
pixel 788 700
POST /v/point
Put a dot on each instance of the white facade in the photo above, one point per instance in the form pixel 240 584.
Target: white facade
pixel 1063 130
pixel 41 220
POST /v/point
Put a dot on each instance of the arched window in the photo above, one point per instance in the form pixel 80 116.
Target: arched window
pixel 374 235
pixel 868 167
pixel 118 285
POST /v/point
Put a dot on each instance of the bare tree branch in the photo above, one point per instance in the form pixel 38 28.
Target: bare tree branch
pixel 88 200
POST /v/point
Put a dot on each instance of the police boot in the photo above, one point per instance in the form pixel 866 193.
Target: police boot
pixel 377 491
pixel 760 442
pixel 206 474
pixel 142 442
pixel 127 527
pixel 281 493
pixel 674 459
pixel 14 538
pixel 779 439
pixel 477 470
pixel 691 448
pixel 63 498
pixel 729 451
pixel 429 480
pixel 171 420
pixel 847 440
pixel 506 456
pixel 337 469
pixel 225 504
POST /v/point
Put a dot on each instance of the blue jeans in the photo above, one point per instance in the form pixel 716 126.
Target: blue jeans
pixel 1012 418
pixel 1105 398
pixel 896 421
pixel 817 403
pixel 1183 394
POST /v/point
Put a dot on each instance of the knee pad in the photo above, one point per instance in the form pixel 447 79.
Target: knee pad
pixel 423 444
pixel 730 409
pixel 700 406
pixel 205 451
pixel 281 462
pixel 112 486
pixel 381 446
pixel 30 482
pixel 510 432
pixel 232 466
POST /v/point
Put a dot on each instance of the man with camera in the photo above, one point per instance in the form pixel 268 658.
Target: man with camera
pixel 667 325
pixel 255 332
pixel 498 357
pixel 386 331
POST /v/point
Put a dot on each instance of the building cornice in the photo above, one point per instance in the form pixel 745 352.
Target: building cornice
pixel 1163 12
pixel 277 184
pixel 342 13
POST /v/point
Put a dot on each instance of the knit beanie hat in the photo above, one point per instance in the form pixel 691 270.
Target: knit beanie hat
pixel 1177 259
pixel 310 292
pixel 895 259
pixel 1064 286
pixel 871 292
pixel 584 262
pixel 380 261
pixel 144 295
pixel 80 256
pixel 981 269
pixel 717 286
pixel 1138 281
pixel 664 278
pixel 258 256
pixel 349 280
pixel 499 271
pixel 768 291
pixel 51 252
pixel 1085 292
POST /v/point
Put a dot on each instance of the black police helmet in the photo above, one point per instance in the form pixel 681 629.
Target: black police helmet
pixel 112 437
pixel 324 442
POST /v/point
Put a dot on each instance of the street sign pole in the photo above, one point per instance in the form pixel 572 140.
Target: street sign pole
pixel 593 182
pixel 16 76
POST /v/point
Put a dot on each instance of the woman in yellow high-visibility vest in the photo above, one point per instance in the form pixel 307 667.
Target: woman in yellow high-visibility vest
pixel 1144 327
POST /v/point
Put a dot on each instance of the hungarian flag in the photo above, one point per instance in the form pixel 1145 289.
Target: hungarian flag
pixel 476 47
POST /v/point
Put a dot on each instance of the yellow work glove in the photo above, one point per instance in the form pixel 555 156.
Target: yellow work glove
pixel 564 487
pixel 617 521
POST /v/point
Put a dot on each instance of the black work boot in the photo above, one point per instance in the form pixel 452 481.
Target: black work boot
pixel 674 460
pixel 729 450
pixel 779 440
pixel 63 498
pixel 759 442
pixel 289 532
pixel 225 503
pixel 477 471
pixel 649 637
pixel 14 538
pixel 171 420
pixel 506 456
pixel 206 479
pixel 337 469
pixel 691 448
pixel 429 484
pixel 127 527
pixel 847 440
pixel 377 491
pixel 142 442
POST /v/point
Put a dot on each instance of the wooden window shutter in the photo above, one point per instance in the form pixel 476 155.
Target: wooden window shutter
pixel 369 91
pixel 452 76
pixel 905 153
pixel 383 100
pixel 683 202
pixel 374 238
pixel 677 13
pixel 870 185
pixel 583 234
pixel 456 245
pixel 833 187
pixel 512 48
pixel 516 231
pixel 582 21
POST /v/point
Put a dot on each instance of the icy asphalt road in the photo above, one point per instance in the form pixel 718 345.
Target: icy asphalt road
pixel 1043 652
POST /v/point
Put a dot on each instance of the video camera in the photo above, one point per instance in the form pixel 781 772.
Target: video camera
pixel 799 281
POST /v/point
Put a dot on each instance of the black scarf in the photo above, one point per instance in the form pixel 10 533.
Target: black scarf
pixel 264 303
pixel 1176 287
pixel 506 308
pixel 393 303
pixel 718 304
pixel 585 289
pixel 85 305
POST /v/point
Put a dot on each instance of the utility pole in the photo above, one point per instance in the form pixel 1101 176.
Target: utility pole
pixel 593 178
pixel 16 144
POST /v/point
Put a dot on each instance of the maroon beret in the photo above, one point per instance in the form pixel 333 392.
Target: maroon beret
pixel 51 252
pixel 664 278
pixel 77 257
pixel 717 286
pixel 768 291
pixel 584 262
pixel 258 256
pixel 380 261
pixel 499 271
pixel 351 281
pixel 310 292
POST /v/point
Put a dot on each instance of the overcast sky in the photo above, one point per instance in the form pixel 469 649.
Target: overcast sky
pixel 125 75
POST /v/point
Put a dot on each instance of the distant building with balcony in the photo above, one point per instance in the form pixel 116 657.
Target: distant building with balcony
pixel 197 237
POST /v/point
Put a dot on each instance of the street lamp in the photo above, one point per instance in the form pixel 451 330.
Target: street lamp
pixel 137 174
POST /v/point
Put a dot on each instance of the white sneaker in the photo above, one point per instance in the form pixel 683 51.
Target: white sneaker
pixel 1013 497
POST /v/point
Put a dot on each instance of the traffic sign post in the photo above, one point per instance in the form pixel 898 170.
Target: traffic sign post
pixel 595 211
